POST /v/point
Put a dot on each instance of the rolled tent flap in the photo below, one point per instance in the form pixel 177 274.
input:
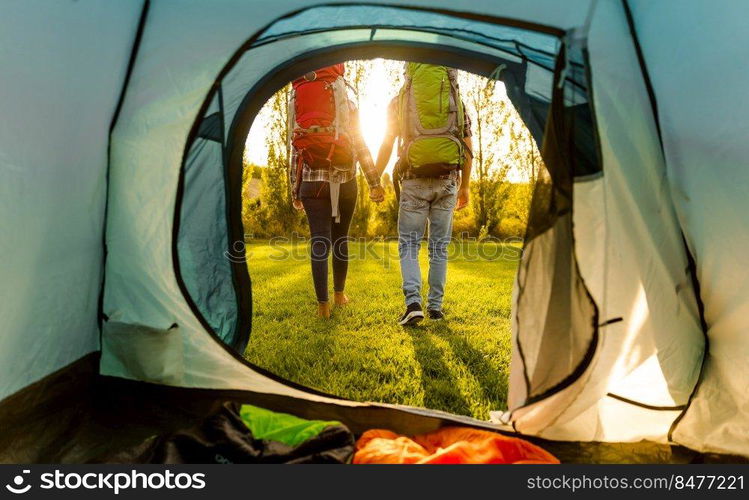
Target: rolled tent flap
pixel 555 317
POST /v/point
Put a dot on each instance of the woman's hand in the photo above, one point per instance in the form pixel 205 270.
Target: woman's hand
pixel 376 194
pixel 298 204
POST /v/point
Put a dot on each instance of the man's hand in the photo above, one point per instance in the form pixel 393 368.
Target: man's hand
pixel 298 204
pixel 464 196
pixel 377 194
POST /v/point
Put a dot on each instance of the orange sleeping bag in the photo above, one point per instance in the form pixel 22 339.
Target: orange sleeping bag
pixel 449 445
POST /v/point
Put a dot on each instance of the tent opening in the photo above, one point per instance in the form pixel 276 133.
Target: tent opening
pixel 460 365
pixel 545 84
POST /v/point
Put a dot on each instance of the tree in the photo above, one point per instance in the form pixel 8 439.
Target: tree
pixel 355 76
pixel 277 193
pixel 274 214
pixel 514 198
pixel 506 158
pixel 489 117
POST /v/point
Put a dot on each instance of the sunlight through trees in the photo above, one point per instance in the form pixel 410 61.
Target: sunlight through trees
pixel 506 159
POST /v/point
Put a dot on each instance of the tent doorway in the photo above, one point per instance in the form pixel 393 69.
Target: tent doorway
pixel 531 73
pixel 460 365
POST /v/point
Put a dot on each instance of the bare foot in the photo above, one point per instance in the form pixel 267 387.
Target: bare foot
pixel 340 299
pixel 323 310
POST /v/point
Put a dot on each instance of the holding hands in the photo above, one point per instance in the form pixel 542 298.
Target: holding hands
pixel 376 194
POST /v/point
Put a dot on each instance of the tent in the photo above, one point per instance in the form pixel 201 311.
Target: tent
pixel 125 295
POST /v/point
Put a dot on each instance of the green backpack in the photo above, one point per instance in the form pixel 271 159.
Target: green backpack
pixel 431 118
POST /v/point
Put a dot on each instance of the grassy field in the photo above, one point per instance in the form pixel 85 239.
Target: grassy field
pixel 460 365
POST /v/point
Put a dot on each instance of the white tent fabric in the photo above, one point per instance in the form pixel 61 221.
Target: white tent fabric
pixel 631 256
pixel 58 92
pixel 698 62
pixel 64 64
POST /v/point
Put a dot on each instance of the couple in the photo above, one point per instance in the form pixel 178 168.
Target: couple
pixel 433 169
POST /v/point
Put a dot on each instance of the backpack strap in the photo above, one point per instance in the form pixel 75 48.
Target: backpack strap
pixel 401 105
pixel 397 174
pixel 453 81
pixel 465 146
pixel 298 180
pixel 290 122
pixel 459 106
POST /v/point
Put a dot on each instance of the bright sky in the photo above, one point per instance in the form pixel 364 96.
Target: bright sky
pixel 376 91
pixel 373 103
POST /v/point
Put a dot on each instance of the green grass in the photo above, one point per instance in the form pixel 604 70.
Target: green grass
pixel 460 365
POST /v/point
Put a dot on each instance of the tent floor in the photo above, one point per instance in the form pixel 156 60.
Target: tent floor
pixel 77 416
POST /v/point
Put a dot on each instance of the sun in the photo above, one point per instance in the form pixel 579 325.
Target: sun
pixel 373 104
pixel 373 122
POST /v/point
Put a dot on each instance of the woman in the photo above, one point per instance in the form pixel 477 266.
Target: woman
pixel 325 146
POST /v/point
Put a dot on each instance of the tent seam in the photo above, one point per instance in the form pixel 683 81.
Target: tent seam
pixel 115 117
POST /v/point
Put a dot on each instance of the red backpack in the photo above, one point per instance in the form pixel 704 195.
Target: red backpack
pixel 320 123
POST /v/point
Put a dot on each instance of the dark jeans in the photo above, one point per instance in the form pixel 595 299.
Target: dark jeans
pixel 326 234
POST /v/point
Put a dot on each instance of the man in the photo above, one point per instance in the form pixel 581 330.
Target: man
pixel 434 168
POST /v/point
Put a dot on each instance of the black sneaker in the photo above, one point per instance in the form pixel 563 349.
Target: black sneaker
pixel 412 316
pixel 435 315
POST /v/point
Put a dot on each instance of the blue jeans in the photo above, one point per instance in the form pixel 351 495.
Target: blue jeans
pixel 425 200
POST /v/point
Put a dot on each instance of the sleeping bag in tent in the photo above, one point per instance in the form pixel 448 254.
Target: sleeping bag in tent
pixel 449 445
pixel 247 434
